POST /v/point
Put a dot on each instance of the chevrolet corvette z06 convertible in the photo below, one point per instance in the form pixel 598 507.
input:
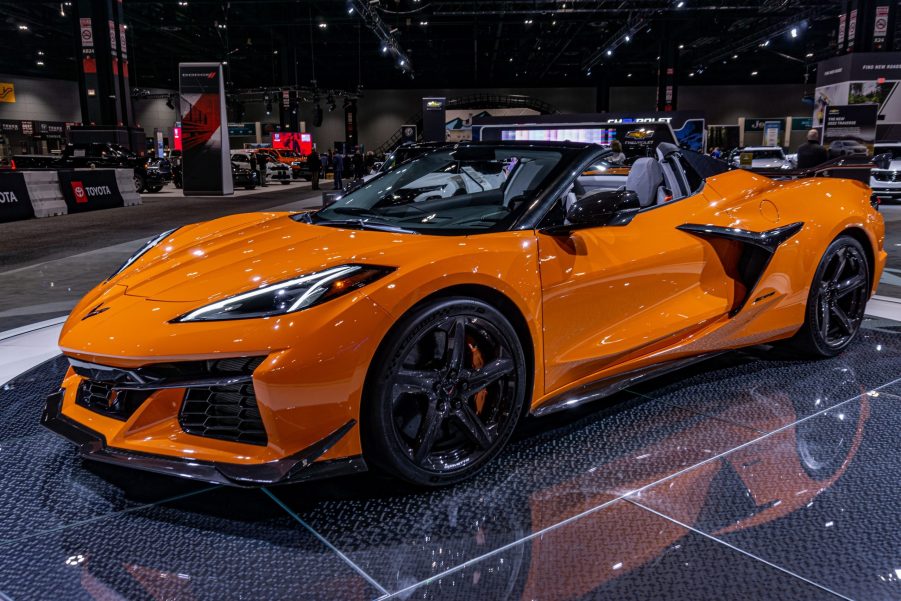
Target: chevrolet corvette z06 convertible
pixel 411 325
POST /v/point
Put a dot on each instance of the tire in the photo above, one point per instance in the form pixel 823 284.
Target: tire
pixel 154 189
pixel 424 419
pixel 838 297
pixel 139 183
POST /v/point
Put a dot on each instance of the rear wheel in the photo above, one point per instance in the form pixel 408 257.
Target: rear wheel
pixel 838 297
pixel 154 189
pixel 139 183
pixel 446 393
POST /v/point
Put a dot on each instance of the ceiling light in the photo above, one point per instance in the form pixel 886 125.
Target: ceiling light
pixel 275 51
pixel 40 53
pixel 423 23
pixel 323 25
pixel 511 59
pixel 403 63
pixel 753 73
pixel 553 22
pixel 40 63
pixel 628 39
pixel 734 56
pixel 692 74
pixel 681 46
pixel 680 4
pixel 23 27
pixel 350 10
pixel 628 75
pixel 794 32
pixel 609 52
pixel 384 48
pixel 528 21
pixel 809 55
pixel 765 44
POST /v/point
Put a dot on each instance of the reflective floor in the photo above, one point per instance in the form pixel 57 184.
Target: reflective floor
pixel 752 476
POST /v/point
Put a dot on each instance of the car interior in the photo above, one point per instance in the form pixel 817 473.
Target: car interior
pixel 656 180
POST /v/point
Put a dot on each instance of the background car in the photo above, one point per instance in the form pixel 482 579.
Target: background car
pixel 762 157
pixel 886 183
pixel 275 172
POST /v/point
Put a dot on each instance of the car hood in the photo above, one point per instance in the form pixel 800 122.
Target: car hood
pixel 221 258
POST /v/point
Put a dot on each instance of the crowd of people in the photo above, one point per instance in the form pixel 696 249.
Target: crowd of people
pixel 354 165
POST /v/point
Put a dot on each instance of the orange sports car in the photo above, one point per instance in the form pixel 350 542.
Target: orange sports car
pixel 410 326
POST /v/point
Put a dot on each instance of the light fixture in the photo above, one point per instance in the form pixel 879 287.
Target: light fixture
pixel 734 56
pixel 628 75
pixel 753 73
pixel 809 55
pixel 692 74
pixel 794 32
pixel 40 63
pixel 23 27
pixel 681 46
pixel 275 51
pixel 680 4
pixel 403 63
pixel 511 59
pixel 609 52
pixel 40 53
pixel 423 23
pixel 765 43
pixel 628 38
pixel 323 25
pixel 553 22
pixel 528 21
pixel 384 48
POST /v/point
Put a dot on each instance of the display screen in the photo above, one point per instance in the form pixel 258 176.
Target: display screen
pixel 592 135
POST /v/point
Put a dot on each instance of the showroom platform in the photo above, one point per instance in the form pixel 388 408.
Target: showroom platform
pixel 753 475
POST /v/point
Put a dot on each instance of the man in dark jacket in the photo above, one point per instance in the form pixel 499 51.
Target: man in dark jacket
pixel 315 165
pixel 812 153
pixel 358 165
pixel 338 166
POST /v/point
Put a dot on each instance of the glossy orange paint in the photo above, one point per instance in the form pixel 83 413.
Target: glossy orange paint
pixel 593 304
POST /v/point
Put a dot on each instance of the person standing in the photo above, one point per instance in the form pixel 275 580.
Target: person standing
pixel 264 169
pixel 358 165
pixel 618 157
pixel 315 164
pixel 812 153
pixel 253 163
pixel 338 165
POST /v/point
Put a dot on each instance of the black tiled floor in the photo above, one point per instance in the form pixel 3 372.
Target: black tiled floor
pixel 622 552
pixel 766 389
pixel 820 498
pixel 544 521
pixel 249 550
pixel 404 536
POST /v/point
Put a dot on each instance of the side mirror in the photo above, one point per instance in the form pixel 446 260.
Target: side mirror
pixel 605 207
pixel 883 161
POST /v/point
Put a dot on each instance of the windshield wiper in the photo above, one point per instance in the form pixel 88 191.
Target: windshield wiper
pixel 365 224
pixel 351 211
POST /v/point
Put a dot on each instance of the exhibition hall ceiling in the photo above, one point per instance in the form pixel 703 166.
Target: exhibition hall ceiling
pixel 351 44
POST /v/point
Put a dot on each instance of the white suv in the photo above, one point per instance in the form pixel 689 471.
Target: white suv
pixel 886 183
pixel 275 172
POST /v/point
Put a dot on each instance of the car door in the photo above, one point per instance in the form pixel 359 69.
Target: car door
pixel 616 293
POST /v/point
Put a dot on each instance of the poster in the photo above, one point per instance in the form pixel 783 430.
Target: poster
pixel 771 133
pixel 89 189
pixel 15 203
pixel 880 24
pixel 206 166
pixel 855 122
pixel 7 92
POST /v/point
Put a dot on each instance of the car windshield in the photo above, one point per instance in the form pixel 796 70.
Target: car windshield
pixel 468 189
pixel 768 154
pixel 403 154
pixel 895 151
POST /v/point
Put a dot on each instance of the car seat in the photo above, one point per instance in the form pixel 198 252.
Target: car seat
pixel 646 179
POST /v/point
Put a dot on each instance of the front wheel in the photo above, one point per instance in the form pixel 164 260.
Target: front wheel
pixel 445 393
pixel 139 183
pixel 154 189
pixel 838 297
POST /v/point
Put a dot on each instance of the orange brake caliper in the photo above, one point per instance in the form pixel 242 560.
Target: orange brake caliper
pixel 477 362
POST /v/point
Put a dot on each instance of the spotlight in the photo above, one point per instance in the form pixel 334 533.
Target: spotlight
pixel 681 46
pixel 794 32
pixel 734 56
pixel 610 53
pixel 809 55
pixel 753 73
pixel 403 63
pixel 40 63
pixel 323 25
pixel 628 38
pixel 384 48
pixel 765 43
pixel 423 23
pixel 680 4
pixel 528 21
pixel 628 75
pixel 23 27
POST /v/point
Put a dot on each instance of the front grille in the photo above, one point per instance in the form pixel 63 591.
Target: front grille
pixel 223 412
pixel 102 398
pixel 226 412
pixel 885 176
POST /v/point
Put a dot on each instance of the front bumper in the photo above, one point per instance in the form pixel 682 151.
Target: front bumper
pixel 298 467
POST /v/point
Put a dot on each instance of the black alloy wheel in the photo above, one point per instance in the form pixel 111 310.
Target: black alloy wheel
pixel 446 393
pixel 139 183
pixel 838 298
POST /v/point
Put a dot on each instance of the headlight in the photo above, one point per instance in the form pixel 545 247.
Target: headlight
pixel 291 295
pixel 150 244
